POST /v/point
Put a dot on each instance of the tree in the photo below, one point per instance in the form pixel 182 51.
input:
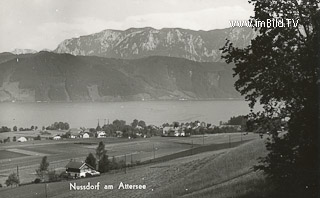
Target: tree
pixel 53 176
pixel 14 138
pixel 175 124
pixel 134 124
pixel 91 160
pixel 6 140
pixel 104 164
pixel 142 124
pixel 12 180
pixel 43 168
pixel 281 69
pixel 37 138
pixel 100 151
pixel 15 128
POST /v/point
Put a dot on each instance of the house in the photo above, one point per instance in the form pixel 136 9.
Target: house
pixel 57 137
pixel 167 130
pixel 173 131
pixel 21 139
pixel 203 124
pixel 139 127
pixel 79 169
pixel 84 135
pixel 101 134
pixel 119 133
pixel 74 132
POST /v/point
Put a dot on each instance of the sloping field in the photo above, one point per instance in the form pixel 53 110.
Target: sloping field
pixel 222 173
pixel 6 155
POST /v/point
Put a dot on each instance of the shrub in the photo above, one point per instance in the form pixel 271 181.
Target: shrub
pixel 53 176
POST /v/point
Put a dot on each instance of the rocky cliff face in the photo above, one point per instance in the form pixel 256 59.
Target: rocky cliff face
pixel 23 51
pixel 143 42
pixel 47 76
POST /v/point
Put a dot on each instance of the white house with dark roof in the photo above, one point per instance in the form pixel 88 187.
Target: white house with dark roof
pixel 101 134
pixel 79 169
pixel 22 139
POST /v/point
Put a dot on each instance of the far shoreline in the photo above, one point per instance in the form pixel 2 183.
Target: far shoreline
pixel 120 101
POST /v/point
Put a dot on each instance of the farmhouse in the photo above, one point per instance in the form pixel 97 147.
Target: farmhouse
pixel 79 169
pixel 101 134
pixel 21 139
pixel 74 132
pixel 84 135
pixel 173 131
pixel 57 137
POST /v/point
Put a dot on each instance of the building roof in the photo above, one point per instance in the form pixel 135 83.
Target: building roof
pixel 77 165
pixel 22 139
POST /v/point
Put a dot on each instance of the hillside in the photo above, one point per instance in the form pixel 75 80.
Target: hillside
pixel 222 173
pixel 143 42
pixel 47 76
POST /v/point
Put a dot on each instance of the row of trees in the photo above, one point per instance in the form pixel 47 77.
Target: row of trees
pixel 15 128
pixel 101 160
pixel 58 126
pixel 128 130
pixel 4 129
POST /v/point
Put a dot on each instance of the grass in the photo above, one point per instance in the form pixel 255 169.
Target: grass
pixel 252 185
pixel 9 155
pixel 193 151
pixel 222 173
pixel 230 166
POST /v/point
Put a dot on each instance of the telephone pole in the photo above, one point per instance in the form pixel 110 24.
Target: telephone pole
pixel 18 174
pixel 191 147
pixel 125 163
pixel 203 138
pixel 45 188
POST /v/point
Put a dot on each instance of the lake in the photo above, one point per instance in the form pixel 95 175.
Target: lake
pixel 87 114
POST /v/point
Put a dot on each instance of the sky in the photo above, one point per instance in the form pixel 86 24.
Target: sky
pixel 43 24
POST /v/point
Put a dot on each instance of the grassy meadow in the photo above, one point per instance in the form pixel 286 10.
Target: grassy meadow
pixel 222 172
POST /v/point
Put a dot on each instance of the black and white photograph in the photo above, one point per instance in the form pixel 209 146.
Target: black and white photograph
pixel 159 98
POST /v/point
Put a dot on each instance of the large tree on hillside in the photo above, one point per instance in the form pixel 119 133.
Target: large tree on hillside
pixel 43 168
pixel 281 70
pixel 91 160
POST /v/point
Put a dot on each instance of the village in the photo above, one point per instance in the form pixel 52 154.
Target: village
pixel 119 129
pixel 126 146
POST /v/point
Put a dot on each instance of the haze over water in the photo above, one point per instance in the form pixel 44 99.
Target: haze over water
pixel 87 114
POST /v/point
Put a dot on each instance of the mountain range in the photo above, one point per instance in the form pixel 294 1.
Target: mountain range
pixel 135 64
pixel 134 43
pixel 48 76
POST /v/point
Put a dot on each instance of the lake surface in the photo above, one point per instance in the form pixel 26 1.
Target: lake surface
pixel 87 114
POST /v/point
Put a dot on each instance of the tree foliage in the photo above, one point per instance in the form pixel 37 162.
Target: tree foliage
pixel 91 160
pixel 281 70
pixel 100 150
pixel 104 164
pixel 43 168
pixel 12 180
